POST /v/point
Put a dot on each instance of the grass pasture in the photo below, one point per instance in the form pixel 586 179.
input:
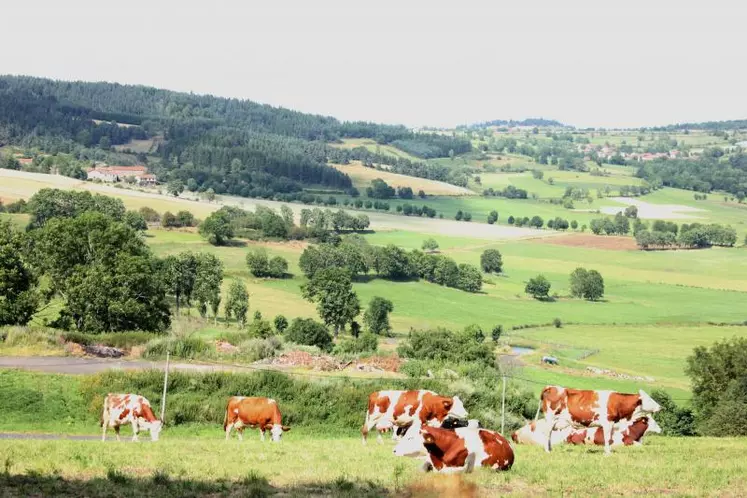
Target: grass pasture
pixel 363 176
pixel 303 465
pixel 372 146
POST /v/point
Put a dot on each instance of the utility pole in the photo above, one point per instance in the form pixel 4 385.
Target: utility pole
pixel 166 383
pixel 503 406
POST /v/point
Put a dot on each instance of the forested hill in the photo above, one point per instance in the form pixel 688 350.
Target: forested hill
pixel 523 122
pixel 735 124
pixel 230 145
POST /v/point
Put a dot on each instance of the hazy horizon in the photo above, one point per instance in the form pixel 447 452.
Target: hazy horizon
pixel 415 63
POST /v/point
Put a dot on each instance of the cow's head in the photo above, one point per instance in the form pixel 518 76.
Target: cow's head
pixel 455 408
pixel 276 431
pixel 648 405
pixel 154 428
pixel 653 426
pixel 413 444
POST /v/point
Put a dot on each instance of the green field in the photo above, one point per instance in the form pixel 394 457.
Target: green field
pixel 302 465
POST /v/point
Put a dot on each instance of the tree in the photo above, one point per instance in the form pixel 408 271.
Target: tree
pixel 149 214
pixel 538 287
pixel 536 222
pixel 237 303
pixel 496 333
pixel 168 220
pixel 510 220
pixel 492 217
pixel 588 284
pixel 469 278
pixel 631 212
pixel 208 280
pixel 379 189
pixel 467 216
pixel 135 220
pixel 673 420
pixel 309 332
pixel 332 291
pixel 210 194
pixel 104 274
pixel 180 273
pixel 258 262
pixel 281 323
pixel 459 215
pixel 430 245
pixel 446 272
pixel 376 317
pixel 574 224
pixel 54 203
pixel 392 262
pixel 175 187
pixel 217 228
pixel 19 298
pixel 185 219
pixel 491 261
pixel 718 378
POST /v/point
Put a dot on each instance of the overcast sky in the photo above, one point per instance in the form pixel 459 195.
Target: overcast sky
pixel 586 63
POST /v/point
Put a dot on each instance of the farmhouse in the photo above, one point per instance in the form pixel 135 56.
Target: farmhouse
pixel 120 173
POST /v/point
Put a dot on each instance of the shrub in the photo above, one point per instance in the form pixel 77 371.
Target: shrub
pixel 260 328
pixel 281 323
pixel 673 420
pixel 496 333
pixel 444 345
pixel 122 340
pixel 376 317
pixel 309 332
pixel 491 261
pixel 185 347
pixel 557 323
pixel 365 343
pixel 258 349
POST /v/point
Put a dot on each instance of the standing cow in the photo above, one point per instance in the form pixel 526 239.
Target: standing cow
pixel 457 450
pixel 577 407
pixel 262 413
pixel 121 409
pixel 624 433
pixel 409 408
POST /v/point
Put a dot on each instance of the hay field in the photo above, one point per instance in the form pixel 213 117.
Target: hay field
pixel 363 176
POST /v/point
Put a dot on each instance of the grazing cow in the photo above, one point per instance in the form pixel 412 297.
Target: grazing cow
pixel 457 450
pixel 262 413
pixel 624 433
pixel 121 409
pixel 405 408
pixel 585 408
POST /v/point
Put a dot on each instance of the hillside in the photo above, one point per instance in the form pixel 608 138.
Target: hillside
pixel 233 146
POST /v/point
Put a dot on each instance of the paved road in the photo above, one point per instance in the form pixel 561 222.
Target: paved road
pixel 73 365
pixel 52 437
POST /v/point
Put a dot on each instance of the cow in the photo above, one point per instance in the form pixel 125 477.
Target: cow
pixel 457 450
pixel 262 413
pixel 565 407
pixel 121 409
pixel 405 408
pixel 624 433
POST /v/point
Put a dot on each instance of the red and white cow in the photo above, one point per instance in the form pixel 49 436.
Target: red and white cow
pixel 457 450
pixel 409 408
pixel 262 413
pixel 121 409
pixel 624 433
pixel 585 408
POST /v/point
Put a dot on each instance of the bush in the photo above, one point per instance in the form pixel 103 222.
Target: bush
pixel 496 333
pixel 365 343
pixel 258 349
pixel 673 420
pixel 260 265
pixel 281 323
pixel 260 328
pixel 491 261
pixel 309 332
pixel 444 345
pixel 186 347
pixel 122 340
pixel 557 323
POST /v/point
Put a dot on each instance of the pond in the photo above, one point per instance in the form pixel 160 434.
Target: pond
pixel 521 350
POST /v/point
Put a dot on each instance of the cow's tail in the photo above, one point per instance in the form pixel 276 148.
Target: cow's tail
pixel 369 410
pixel 225 417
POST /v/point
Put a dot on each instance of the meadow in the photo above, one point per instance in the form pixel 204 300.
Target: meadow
pixel 303 465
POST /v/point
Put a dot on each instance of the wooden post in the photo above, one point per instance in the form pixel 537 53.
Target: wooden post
pixel 165 385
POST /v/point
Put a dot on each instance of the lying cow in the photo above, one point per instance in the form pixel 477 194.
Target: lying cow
pixel 585 408
pixel 262 413
pixel 121 409
pixel 406 408
pixel 624 433
pixel 457 450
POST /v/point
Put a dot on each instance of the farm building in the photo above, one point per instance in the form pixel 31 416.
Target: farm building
pixel 120 173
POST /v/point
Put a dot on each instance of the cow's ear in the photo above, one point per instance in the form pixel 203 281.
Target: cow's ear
pixel 286 428
pixel 428 438
pixel 448 404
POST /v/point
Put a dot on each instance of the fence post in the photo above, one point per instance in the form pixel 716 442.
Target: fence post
pixel 503 406
pixel 165 385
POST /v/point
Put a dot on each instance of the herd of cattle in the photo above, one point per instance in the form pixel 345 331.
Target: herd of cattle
pixel 435 427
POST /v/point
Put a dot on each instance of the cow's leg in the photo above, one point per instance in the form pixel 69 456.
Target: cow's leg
pixel 116 431
pixel 240 433
pixel 228 431
pixel 551 422
pixel 105 426
pixel 370 423
pixel 262 433
pixel 469 464
pixel 134 430
pixel 607 432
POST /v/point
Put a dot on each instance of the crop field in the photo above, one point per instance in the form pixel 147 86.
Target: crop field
pixel 372 146
pixel 363 176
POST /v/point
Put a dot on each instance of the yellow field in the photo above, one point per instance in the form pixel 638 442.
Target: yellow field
pixel 371 145
pixel 362 177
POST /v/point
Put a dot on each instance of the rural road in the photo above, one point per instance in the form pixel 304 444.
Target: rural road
pixel 80 366
pixel 52 437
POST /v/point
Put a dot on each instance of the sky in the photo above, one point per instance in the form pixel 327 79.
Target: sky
pixel 420 63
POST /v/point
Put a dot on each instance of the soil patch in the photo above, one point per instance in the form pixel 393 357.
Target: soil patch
pixel 608 242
